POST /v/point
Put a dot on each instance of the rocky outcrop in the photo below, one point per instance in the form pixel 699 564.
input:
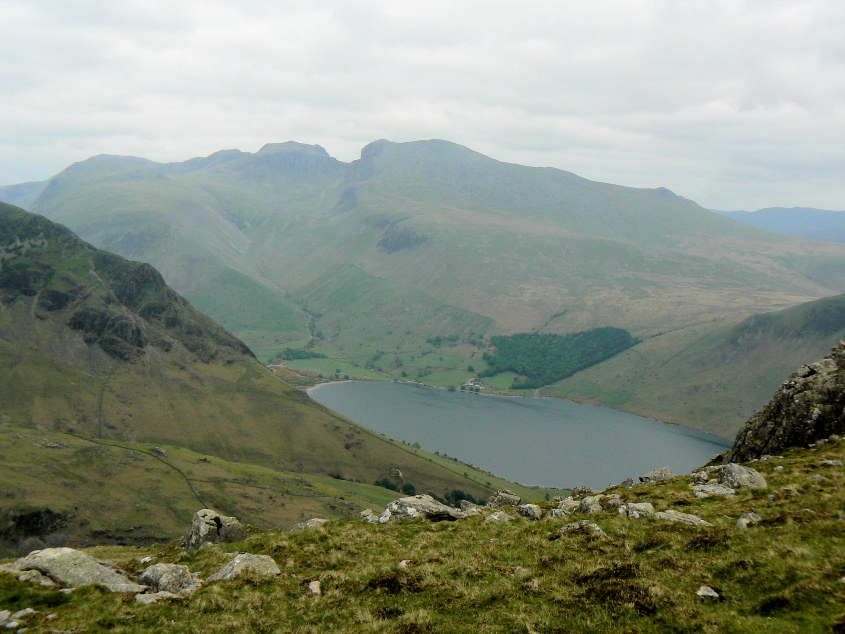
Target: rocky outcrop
pixel 808 407
pixel 73 568
pixel 418 506
pixel 210 527
pixel 503 497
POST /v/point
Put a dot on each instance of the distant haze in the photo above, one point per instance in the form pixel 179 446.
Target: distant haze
pixel 736 105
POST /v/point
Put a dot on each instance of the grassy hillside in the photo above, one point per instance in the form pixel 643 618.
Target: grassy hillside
pixel 712 377
pixel 783 574
pixel 94 345
pixel 421 240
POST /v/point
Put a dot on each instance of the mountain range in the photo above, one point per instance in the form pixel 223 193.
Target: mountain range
pixel 803 222
pixel 406 261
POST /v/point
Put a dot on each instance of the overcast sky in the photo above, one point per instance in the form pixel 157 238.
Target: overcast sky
pixel 737 105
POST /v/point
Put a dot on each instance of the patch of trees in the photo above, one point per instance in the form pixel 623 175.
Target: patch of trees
pixel 439 341
pixel 397 239
pixel 295 353
pixel 545 359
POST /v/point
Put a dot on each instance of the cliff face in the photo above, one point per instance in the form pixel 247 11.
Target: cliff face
pixel 809 406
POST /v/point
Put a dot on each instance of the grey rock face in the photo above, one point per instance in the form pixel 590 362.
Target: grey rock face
pixel 711 490
pixel 418 506
pixel 73 568
pixel 247 563
pixel 658 475
pixel 556 514
pixel 579 491
pixel 584 526
pixel 503 497
pixel 531 511
pixel 737 476
pixel 832 463
pixel 806 408
pixel 684 518
pixel 172 578
pixel 210 527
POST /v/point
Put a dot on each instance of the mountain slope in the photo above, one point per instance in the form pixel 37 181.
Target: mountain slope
pixel 446 244
pixel 803 222
pixel 712 377
pixel 97 346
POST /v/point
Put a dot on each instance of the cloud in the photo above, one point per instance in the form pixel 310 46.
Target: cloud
pixel 734 104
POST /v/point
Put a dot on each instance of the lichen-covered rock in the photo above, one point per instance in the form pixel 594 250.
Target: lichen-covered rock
pixel 531 511
pixel 247 563
pixel 581 490
pixel 658 475
pixel 503 497
pixel 498 516
pixel 808 407
pixel 738 476
pixel 636 510
pixel 584 526
pixel 211 527
pixel 415 506
pixel 712 490
pixel 28 575
pixel 468 508
pixel 569 505
pixel 683 518
pixel 590 504
pixel 173 578
pixel 154 597
pixel 73 568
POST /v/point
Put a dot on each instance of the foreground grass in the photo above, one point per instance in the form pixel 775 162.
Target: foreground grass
pixel 783 575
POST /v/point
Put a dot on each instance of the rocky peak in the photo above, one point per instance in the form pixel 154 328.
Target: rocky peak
pixel 809 406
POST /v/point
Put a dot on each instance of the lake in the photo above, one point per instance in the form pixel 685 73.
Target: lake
pixel 534 441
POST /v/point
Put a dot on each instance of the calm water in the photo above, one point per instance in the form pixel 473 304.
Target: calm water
pixel 534 441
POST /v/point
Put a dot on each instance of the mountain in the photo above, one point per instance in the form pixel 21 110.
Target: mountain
pixel 100 360
pixel 803 222
pixel 406 261
pixel 716 376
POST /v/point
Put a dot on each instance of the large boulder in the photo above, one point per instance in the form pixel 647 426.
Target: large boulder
pixel 73 568
pixel 173 578
pixel 808 407
pixel 211 527
pixel 531 511
pixel 683 518
pixel 503 497
pixel 658 475
pixel 418 506
pixel 247 563
pixel 737 476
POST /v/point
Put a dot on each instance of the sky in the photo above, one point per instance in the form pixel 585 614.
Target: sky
pixel 734 104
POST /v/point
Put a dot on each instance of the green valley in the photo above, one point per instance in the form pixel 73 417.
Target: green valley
pixel 371 261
